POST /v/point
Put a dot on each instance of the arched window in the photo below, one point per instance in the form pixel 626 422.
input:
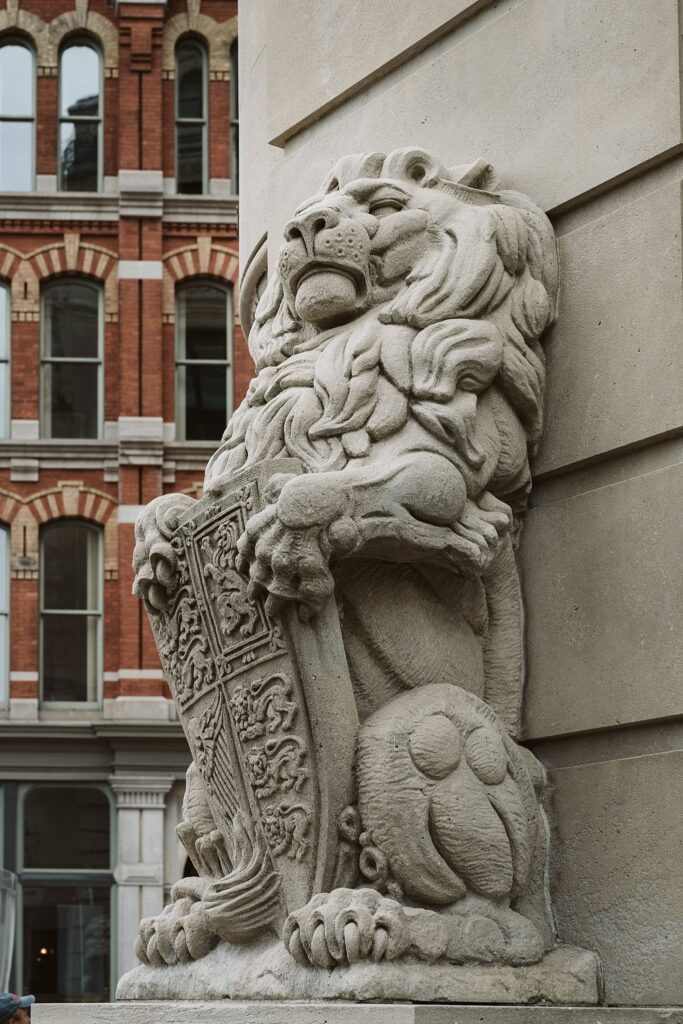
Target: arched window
pixel 72 379
pixel 203 360
pixel 65 866
pixel 191 81
pixel 17 115
pixel 70 612
pixel 4 614
pixel 234 121
pixel 5 353
pixel 80 117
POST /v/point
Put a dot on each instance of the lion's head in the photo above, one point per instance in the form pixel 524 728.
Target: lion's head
pixel 404 241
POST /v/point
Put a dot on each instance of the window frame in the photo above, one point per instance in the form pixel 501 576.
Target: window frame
pixel 94 44
pixel 5 616
pixel 15 39
pixel 201 45
pixel 6 397
pixel 65 876
pixel 227 363
pixel 47 360
pixel 234 120
pixel 98 530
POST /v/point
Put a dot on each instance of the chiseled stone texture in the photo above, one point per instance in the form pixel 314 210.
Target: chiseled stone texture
pixel 595 92
pixel 617 871
pixel 603 586
pixel 342 1013
pixel 565 976
pixel 338 59
pixel 614 360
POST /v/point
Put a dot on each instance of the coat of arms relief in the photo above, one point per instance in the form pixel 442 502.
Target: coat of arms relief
pixel 340 617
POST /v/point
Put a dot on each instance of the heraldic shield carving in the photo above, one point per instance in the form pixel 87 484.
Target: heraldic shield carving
pixel 265 700
pixel 340 616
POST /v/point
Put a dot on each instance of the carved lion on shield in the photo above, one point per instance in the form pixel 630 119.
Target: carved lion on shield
pixel 398 358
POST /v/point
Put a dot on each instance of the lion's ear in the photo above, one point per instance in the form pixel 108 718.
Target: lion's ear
pixel 480 175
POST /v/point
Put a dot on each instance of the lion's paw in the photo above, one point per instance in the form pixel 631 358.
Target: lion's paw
pixel 345 926
pixel 179 934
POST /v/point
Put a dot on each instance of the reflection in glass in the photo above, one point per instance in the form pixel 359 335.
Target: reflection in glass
pixel 203 351
pixel 5 327
pixel 4 617
pixel 16 117
pixel 66 827
pixel 67 942
pixel 80 118
pixel 72 363
pixel 234 121
pixel 8 910
pixel 191 157
pixel 71 611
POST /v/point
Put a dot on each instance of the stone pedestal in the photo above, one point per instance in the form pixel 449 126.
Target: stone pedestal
pixel 344 1013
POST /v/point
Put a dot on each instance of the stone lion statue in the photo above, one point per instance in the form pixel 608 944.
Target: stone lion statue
pixel 398 359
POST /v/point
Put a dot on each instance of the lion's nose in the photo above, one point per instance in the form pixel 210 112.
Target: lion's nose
pixel 307 225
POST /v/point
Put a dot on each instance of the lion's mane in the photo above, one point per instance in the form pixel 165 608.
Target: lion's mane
pixel 469 314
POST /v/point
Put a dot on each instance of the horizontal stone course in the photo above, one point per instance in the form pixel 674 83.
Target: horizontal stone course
pixel 590 90
pixel 614 360
pixel 603 586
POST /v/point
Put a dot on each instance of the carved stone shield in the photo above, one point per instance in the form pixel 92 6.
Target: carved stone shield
pixel 266 704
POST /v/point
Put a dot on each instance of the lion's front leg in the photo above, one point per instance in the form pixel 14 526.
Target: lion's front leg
pixel 406 508
pixel 286 548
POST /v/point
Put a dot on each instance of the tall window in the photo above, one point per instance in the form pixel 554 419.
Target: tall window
pixel 5 350
pixel 71 612
pixel 72 383
pixel 191 117
pixel 80 117
pixel 234 121
pixel 4 614
pixel 203 360
pixel 65 868
pixel 17 116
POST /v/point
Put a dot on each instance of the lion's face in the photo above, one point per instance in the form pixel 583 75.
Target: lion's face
pixel 355 246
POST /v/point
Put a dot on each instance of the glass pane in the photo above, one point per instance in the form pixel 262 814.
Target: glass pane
pixel 204 389
pixel 190 80
pixel 78 153
pixel 16 156
pixel 4 400
pixel 69 657
pixel 79 82
pixel 66 828
pixel 16 81
pixel 4 321
pixel 190 169
pixel 72 399
pixel 67 933
pixel 203 319
pixel 72 320
pixel 71 566
pixel 4 569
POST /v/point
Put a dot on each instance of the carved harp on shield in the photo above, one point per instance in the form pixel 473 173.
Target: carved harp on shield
pixel 267 706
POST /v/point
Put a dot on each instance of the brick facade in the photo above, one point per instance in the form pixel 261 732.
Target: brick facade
pixel 139 240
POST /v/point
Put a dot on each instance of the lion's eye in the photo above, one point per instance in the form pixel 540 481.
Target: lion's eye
pixel 383 207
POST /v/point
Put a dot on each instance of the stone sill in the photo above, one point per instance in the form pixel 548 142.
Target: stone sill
pixel 104 206
pixel 228 1012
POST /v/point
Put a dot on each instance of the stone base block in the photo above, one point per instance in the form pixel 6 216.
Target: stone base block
pixel 343 1013
pixel 566 975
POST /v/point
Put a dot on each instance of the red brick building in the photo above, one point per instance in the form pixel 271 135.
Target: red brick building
pixel 121 357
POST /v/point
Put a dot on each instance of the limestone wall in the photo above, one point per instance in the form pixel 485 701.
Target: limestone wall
pixel 577 103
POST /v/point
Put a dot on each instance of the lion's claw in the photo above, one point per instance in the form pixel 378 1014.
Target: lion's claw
pixel 346 926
